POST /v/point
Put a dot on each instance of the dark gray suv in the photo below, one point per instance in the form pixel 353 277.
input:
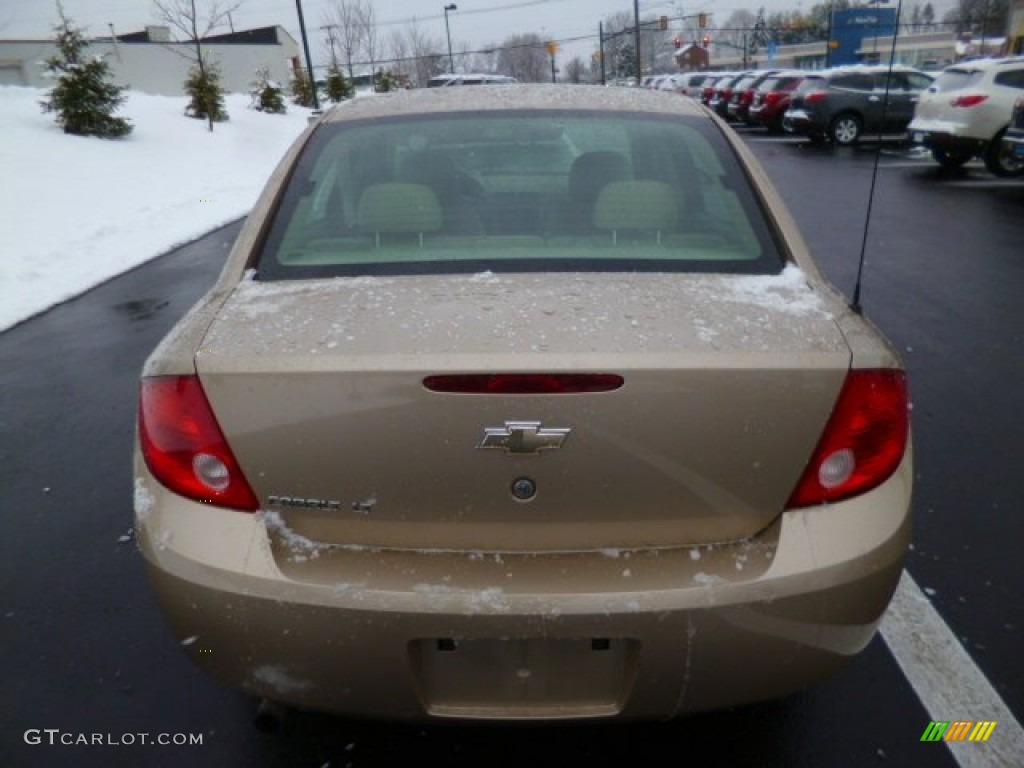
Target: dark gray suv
pixel 843 103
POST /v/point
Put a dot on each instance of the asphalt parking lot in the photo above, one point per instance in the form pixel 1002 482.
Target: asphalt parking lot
pixel 85 651
pixel 937 248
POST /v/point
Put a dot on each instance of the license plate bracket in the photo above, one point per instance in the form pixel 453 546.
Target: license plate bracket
pixel 524 677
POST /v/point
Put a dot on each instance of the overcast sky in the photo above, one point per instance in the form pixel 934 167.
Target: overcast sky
pixel 474 24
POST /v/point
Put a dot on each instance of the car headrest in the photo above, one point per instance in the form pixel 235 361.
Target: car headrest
pixel 635 205
pixel 425 167
pixel 592 170
pixel 399 207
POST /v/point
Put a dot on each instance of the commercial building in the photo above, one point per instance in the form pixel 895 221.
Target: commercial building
pixel 150 61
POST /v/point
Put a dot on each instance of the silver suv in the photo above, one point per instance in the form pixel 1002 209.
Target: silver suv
pixel 966 113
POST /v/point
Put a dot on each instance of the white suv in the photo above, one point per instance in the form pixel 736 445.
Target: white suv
pixel 966 111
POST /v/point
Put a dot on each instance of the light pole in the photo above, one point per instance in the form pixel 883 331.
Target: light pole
pixel 636 42
pixel 305 45
pixel 448 33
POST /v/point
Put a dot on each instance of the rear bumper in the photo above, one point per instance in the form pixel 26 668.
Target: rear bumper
pixel 623 635
pixel 944 135
pixel 802 121
pixel 1014 142
pixel 767 116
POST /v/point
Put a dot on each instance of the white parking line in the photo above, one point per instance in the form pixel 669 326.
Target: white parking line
pixel 991 183
pixel 947 681
pixel 774 139
pixel 922 163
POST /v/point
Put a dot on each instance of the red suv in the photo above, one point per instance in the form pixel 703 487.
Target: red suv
pixel 723 93
pixel 771 99
pixel 708 88
pixel 743 95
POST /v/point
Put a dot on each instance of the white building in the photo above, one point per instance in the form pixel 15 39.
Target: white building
pixel 151 62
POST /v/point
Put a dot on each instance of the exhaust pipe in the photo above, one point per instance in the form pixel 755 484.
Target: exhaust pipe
pixel 269 716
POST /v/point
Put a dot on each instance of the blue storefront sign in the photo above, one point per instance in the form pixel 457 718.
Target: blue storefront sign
pixel 850 27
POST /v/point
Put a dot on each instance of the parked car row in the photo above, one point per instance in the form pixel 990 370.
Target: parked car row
pixel 959 114
pixel 758 97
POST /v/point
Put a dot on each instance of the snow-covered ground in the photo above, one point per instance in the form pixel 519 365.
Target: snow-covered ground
pixel 77 211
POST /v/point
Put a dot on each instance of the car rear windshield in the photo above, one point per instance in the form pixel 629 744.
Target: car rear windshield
pixel 779 83
pixel 955 79
pixel 514 192
pixel 812 83
pixel 854 81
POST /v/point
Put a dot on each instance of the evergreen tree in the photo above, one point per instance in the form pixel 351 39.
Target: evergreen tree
pixel 266 94
pixel 302 89
pixel 338 86
pixel 83 98
pixel 385 82
pixel 206 96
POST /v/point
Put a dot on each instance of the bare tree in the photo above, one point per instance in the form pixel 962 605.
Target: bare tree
pixel 485 60
pixel 425 53
pixel 329 47
pixel 793 28
pixel 465 58
pixel 619 55
pixel 524 58
pixel 368 37
pixel 928 15
pixel 915 17
pixel 397 47
pixel 656 46
pixel 575 70
pixel 353 27
pixel 982 18
pixel 737 26
pixel 819 18
pixel 194 25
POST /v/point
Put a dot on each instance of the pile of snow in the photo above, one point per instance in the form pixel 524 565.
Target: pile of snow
pixel 78 211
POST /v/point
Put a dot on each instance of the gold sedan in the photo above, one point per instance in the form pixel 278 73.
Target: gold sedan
pixel 522 403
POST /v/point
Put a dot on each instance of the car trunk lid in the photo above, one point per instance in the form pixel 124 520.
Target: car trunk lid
pixel 727 383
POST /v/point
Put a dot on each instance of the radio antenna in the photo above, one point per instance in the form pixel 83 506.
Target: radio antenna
pixel 855 301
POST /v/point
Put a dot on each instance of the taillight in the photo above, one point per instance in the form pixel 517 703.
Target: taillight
pixel 971 100
pixel 863 442
pixel 523 383
pixel 184 447
pixel 771 97
pixel 814 97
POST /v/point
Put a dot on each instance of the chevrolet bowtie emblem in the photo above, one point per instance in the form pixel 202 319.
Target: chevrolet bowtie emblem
pixel 523 437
